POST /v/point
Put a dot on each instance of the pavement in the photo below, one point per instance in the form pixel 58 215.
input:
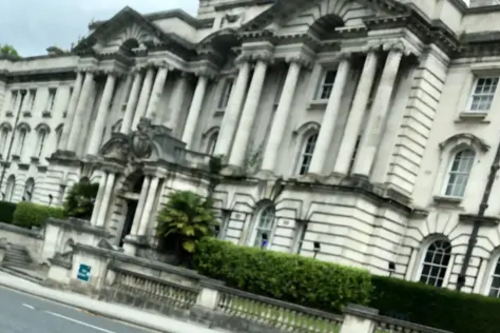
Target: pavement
pixel 27 307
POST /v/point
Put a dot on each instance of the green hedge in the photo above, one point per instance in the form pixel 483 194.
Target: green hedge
pixel 7 211
pixel 282 276
pixel 327 286
pixel 436 307
pixel 29 215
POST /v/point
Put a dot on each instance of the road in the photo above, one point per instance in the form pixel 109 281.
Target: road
pixel 22 313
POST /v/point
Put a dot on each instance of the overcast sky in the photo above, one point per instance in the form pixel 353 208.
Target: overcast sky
pixel 33 25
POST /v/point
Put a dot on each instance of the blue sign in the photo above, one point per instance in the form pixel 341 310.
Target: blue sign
pixel 84 273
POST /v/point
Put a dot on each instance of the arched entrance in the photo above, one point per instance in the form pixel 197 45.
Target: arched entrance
pixel 131 193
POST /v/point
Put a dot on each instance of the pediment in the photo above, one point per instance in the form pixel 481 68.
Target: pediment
pixel 295 16
pixel 128 25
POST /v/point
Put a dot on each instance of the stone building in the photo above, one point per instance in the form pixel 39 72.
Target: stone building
pixel 357 132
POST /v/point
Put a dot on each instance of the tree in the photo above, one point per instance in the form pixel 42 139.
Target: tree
pixel 186 219
pixel 9 51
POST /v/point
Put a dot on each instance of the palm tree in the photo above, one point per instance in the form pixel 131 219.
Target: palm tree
pixel 80 200
pixel 185 219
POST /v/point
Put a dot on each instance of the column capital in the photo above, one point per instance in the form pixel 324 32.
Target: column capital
pixel 87 70
pixel 299 60
pixel 205 72
pixel 158 64
pixel 242 58
pixel 264 56
pixel 343 56
pixel 394 47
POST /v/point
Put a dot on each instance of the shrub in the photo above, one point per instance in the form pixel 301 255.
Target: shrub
pixel 436 307
pixel 287 277
pixel 29 215
pixel 80 200
pixel 7 211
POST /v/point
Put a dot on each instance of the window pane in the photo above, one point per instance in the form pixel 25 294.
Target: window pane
pixel 307 153
pixel 459 173
pixel 435 263
pixel 483 94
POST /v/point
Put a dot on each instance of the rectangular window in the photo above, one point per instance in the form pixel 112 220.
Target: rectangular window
pixel 51 100
pixel 31 99
pixel 226 93
pixel 13 100
pixel 326 86
pixel 483 94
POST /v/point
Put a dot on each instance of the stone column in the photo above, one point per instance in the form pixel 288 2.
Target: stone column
pixel 232 113
pixel 374 130
pixel 140 206
pixel 103 209
pixel 81 111
pixel 248 115
pixel 194 111
pixel 282 115
pixel 98 199
pixel 157 91
pixel 131 103
pixel 177 101
pixel 330 117
pixel 70 115
pixel 144 97
pixel 102 113
pixel 358 109
pixel 148 207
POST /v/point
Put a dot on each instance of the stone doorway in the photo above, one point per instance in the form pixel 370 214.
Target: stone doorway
pixel 131 192
pixel 129 219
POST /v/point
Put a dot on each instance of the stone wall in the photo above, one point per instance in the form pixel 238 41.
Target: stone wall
pixel 32 240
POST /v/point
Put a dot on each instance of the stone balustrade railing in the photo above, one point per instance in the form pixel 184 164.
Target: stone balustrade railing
pixel 186 294
pixel 193 159
pixel 132 286
pixel 276 314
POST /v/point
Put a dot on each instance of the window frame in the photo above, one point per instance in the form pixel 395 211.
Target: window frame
pixel 302 152
pixel 10 188
pixel 31 99
pixel 23 133
pixel 256 226
pixel 51 100
pixel 30 181
pixel 14 95
pixel 322 83
pixel 212 143
pixel 449 171
pixel 225 93
pixel 473 94
pixel 449 265
pixel 41 138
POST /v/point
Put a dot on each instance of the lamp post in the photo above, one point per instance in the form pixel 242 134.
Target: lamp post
pixel 11 143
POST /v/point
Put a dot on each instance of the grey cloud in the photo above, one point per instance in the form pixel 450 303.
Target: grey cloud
pixel 33 25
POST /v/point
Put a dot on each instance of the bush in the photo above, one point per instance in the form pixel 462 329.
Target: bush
pixel 7 211
pixel 436 307
pixel 29 215
pixel 290 278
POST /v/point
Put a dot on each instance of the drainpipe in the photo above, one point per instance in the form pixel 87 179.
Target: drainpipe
pixel 477 223
pixel 11 143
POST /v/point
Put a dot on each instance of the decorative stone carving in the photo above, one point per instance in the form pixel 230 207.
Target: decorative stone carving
pixel 141 144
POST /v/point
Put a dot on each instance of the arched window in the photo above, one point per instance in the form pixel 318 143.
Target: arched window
pixel 212 142
pixel 23 132
pixel 306 153
pixel 435 263
pixel 29 189
pixel 4 137
pixel 458 174
pixel 10 188
pixel 494 290
pixel 264 227
pixel 41 138
pixel 59 132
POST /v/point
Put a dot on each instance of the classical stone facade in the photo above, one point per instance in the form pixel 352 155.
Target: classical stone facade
pixel 358 132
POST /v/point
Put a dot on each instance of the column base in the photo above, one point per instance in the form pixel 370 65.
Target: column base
pixel 132 243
